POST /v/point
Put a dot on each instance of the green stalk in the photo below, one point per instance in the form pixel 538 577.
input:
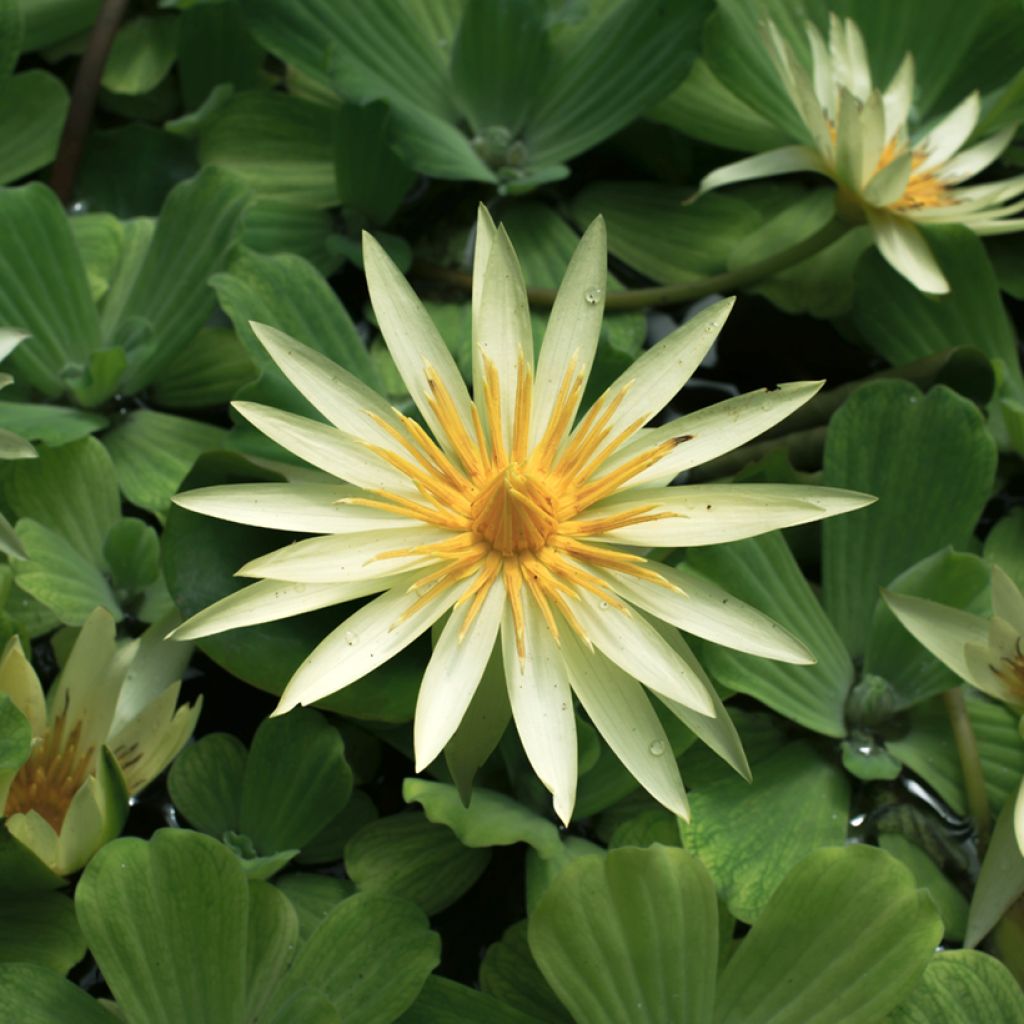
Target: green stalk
pixel 970 764
pixel 673 294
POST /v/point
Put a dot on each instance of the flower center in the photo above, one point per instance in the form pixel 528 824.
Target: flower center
pixel 49 779
pixel 514 511
pixel 923 189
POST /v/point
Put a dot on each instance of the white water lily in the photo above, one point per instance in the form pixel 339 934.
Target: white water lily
pixel 859 138
pixel 109 725
pixel 530 531
pixel 987 654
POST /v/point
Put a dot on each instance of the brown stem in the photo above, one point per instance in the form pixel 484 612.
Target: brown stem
pixel 83 97
pixel 970 763
pixel 670 294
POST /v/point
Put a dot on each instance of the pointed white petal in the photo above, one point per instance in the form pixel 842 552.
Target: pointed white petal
pixel 713 431
pixel 941 630
pixel 574 325
pixel 453 674
pixel 18 680
pixel 824 76
pixel 269 600
pixel 985 667
pixel 719 732
pixel 1018 817
pixel 87 690
pixel 719 513
pixel 299 508
pixel 364 641
pixel 873 139
pixel 899 97
pixel 802 91
pixel 903 247
pixel 950 133
pixel 987 228
pixel 326 448
pixel 970 162
pixel 538 690
pixel 341 397
pixel 628 640
pixel 850 60
pixel 485 232
pixel 502 334
pixel 347 557
pixel 785 160
pixel 704 609
pixel 850 141
pixel 412 340
pixel 622 714
pixel 1007 600
pixel 658 375
pixel 890 182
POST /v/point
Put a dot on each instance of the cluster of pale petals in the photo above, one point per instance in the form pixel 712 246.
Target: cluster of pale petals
pixel 109 726
pixel 530 531
pixel 859 138
pixel 987 654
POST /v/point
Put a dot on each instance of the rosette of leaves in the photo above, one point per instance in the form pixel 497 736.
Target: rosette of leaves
pixel 636 937
pixel 289 796
pixel 117 312
pixel 180 933
pixel 498 92
pixel 872 691
pixel 79 551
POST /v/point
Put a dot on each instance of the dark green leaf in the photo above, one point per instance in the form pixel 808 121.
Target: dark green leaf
pixel 30 994
pixel 167 921
pixel 33 105
pixel 405 855
pixel 447 1002
pixel 931 486
pixel 205 783
pixel 40 928
pixel 296 779
pixel 845 938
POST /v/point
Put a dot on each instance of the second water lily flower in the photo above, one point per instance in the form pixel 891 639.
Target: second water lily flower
pixel 109 725
pixel 858 136
pixel 987 654
pixel 529 526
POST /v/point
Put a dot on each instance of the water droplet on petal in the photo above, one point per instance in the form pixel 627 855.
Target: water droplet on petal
pixel 657 748
pixel 300 588
pixel 350 637
pixel 604 606
pixel 593 296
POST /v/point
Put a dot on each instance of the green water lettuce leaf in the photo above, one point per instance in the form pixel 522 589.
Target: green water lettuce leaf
pixel 33 106
pixel 273 799
pixel 932 484
pixel 962 986
pixel 33 994
pixel 40 928
pixel 447 1002
pixel 735 826
pixel 406 855
pixel 763 572
pixel 623 939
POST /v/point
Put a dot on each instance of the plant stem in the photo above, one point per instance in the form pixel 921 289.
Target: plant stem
pixel 970 763
pixel 83 98
pixel 671 294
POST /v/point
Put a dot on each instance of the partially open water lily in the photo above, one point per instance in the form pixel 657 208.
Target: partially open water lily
pixel 109 725
pixel 858 137
pixel 529 526
pixel 987 654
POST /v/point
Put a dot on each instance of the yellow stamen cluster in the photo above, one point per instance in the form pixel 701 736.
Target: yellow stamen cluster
pixel 923 188
pixel 514 511
pixel 53 773
pixel 1011 671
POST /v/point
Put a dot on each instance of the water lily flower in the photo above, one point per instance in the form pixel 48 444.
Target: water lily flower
pixel 529 527
pixel 987 654
pixel 858 137
pixel 107 728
